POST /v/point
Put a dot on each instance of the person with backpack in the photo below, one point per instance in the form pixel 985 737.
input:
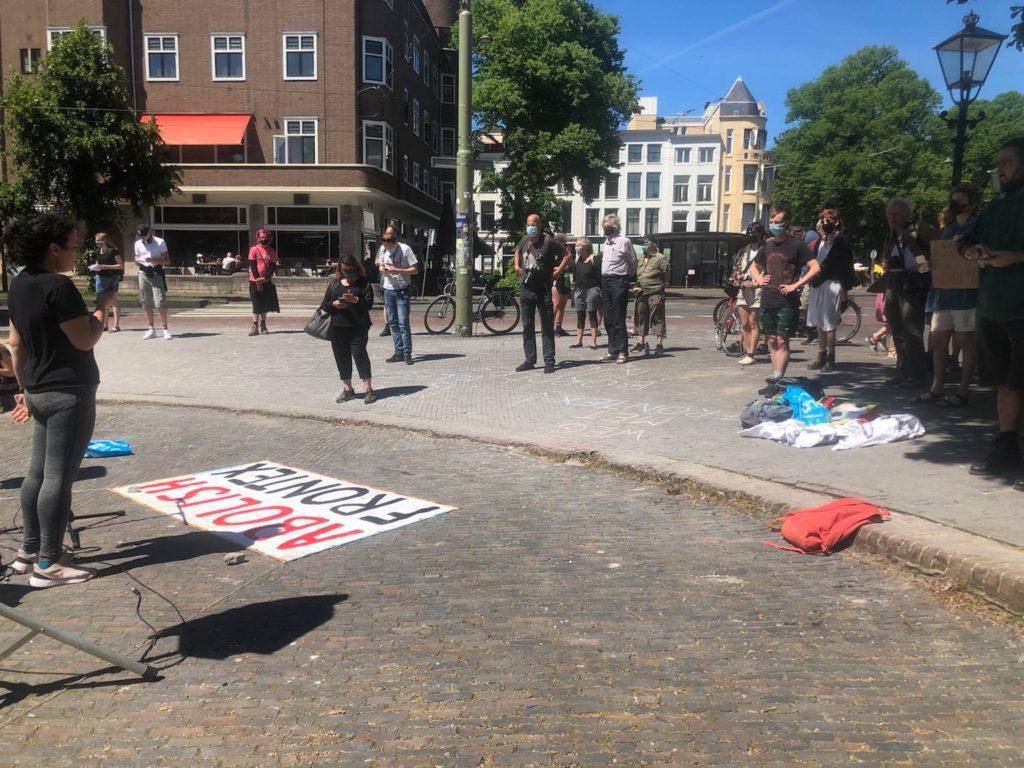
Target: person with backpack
pixel 828 288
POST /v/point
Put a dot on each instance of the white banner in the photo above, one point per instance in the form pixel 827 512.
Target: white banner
pixel 283 512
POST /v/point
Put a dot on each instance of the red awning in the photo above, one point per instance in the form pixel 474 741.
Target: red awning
pixel 201 129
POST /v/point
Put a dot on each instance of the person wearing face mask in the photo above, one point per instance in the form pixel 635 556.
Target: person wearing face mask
pixel 397 264
pixel 953 309
pixel 997 244
pixel 618 265
pixel 649 308
pixel 908 280
pixel 777 269
pixel 536 260
pixel 828 288
pixel 349 299
pixel 262 291
pixel 748 300
pixel 151 255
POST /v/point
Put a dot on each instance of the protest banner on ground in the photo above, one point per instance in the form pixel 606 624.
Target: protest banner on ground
pixel 949 268
pixel 283 512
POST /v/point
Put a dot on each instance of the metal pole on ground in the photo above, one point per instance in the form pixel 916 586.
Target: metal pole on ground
pixel 464 180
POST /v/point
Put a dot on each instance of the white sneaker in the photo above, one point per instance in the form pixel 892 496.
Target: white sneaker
pixel 58 574
pixel 150 334
pixel 746 360
pixel 167 334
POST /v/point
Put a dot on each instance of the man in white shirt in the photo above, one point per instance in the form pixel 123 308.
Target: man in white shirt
pixel 397 264
pixel 151 255
pixel 618 265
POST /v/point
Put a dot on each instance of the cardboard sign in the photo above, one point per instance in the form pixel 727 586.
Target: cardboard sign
pixel 949 268
pixel 283 512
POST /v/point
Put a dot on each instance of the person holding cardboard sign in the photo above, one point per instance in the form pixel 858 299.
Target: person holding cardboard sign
pixel 952 299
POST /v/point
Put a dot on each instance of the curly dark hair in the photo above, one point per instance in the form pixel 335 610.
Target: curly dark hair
pixel 29 237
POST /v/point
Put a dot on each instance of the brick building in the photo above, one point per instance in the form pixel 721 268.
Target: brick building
pixel 318 120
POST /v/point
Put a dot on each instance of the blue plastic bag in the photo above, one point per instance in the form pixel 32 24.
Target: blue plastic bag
pixel 99 449
pixel 805 408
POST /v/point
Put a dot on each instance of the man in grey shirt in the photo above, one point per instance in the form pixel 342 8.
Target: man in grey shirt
pixel 618 265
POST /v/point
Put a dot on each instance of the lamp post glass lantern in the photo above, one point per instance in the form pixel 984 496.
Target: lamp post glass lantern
pixel 966 59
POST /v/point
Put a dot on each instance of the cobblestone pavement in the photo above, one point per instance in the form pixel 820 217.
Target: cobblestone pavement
pixel 560 617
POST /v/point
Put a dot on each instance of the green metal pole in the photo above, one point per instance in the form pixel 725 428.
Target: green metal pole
pixel 464 211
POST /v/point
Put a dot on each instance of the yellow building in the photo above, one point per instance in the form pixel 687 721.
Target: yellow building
pixel 739 119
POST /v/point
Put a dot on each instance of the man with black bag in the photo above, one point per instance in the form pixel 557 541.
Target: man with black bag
pixel 538 259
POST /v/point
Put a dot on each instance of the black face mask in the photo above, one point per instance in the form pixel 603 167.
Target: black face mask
pixel 350 274
pixel 609 231
pixel 829 227
pixel 956 208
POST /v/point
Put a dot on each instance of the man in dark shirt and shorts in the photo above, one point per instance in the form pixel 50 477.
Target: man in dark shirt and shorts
pixel 777 269
pixel 539 259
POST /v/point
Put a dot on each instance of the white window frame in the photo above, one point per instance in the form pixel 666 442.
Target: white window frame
pixel 416 54
pixel 300 49
pixel 387 55
pixel 405 168
pixel 706 155
pixel 60 31
pixel 387 151
pixel 447 135
pixel 416 117
pixel 728 141
pixel 727 179
pixel 416 174
pixel 177 57
pixel 445 79
pixel 213 56
pixel 286 135
pixel 682 155
pixel 426 67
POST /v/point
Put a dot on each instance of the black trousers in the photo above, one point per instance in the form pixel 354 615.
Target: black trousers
pixel 615 294
pixel 536 300
pixel 349 343
pixel 905 312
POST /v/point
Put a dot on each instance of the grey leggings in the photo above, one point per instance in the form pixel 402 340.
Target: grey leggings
pixel 64 422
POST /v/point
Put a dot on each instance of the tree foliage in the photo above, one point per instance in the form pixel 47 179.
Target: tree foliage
pixel 998 120
pixel 551 77
pixel 866 131
pixel 76 143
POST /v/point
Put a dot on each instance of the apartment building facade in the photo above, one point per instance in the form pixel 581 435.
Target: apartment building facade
pixel 317 120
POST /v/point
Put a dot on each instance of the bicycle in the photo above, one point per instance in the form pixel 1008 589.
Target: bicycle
pixel 849 318
pixel 728 328
pixel 495 307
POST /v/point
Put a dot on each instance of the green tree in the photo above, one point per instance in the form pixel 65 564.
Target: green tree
pixel 998 119
pixel 865 131
pixel 551 77
pixel 76 143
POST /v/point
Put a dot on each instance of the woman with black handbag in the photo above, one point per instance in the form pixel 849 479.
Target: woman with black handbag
pixel 829 287
pixel 348 300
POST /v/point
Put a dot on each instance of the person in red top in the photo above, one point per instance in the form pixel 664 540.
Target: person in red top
pixel 262 291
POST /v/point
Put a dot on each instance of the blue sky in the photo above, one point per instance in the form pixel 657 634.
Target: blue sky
pixel 689 52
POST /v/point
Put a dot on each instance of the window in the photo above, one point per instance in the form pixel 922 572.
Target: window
pixel 567 216
pixel 435 144
pixel 415 174
pixel 680 189
pixel 654 153
pixel 704 188
pixel 679 221
pixel 592 221
pixel 298 144
pixel 749 178
pixel 611 212
pixel 378 66
pixel 747 133
pixel 426 68
pixel 703 222
pixel 436 81
pixel 632 222
pixel 727 182
pixel 300 57
pixel 633 186
pixel 635 153
pixel 448 191
pixel 415 54
pixel 425 186
pixel 228 57
pixel 653 186
pixel 405 106
pixel 161 57
pixel 725 217
pixel 748 215
pixel 405 168
pixel 377 141
pixel 30 60
pixel 56 33
pixel 650 221
pixel 428 135
pixel 448 142
pixel 611 186
pixel 706 155
pixel 448 89
pixel 682 154
pixel 728 141
pixel 416 116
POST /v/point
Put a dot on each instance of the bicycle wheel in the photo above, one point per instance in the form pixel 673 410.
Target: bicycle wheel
pixel 439 315
pixel 849 321
pixel 414 290
pixel 500 314
pixel 716 315
pixel 728 336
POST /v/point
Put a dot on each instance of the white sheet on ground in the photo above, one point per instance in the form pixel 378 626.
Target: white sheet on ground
pixel 841 435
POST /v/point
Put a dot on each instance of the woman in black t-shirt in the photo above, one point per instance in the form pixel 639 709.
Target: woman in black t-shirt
pixel 51 338
pixel 109 269
pixel 348 299
pixel 586 285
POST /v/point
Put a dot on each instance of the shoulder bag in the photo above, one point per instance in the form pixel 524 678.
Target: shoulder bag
pixel 319 325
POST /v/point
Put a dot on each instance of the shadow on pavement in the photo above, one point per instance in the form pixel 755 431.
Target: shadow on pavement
pixel 262 628
pixel 412 389
pixel 165 549
pixel 438 356
pixel 194 335
pixel 17 692
pixel 92 472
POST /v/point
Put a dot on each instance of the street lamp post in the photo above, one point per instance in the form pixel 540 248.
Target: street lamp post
pixel 966 59
pixel 464 211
